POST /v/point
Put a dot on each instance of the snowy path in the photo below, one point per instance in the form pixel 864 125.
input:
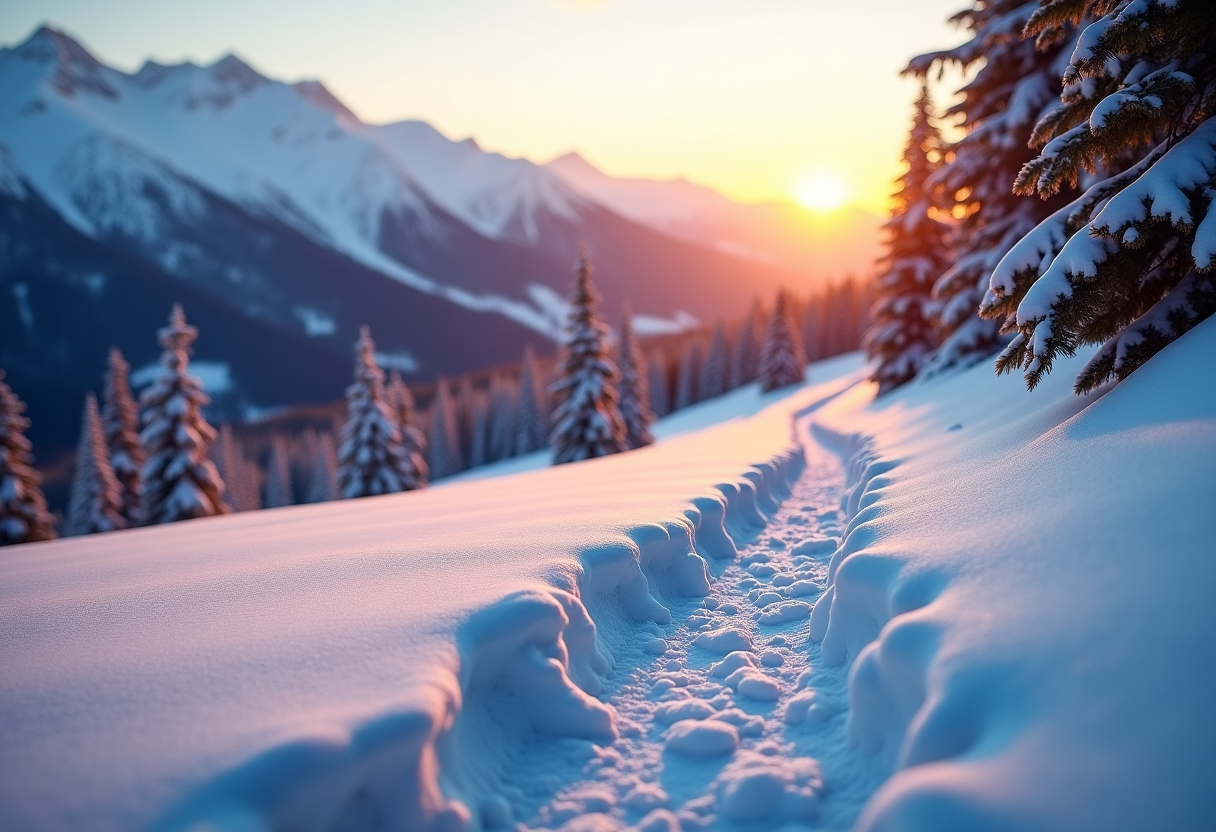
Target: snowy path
pixel 725 720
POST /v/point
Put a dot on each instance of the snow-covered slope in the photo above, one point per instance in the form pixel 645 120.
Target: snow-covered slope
pixel 302 667
pixel 1025 595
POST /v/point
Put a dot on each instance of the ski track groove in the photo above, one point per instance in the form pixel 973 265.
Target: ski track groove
pixel 637 782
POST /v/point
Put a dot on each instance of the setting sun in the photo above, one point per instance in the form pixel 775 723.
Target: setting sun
pixel 822 191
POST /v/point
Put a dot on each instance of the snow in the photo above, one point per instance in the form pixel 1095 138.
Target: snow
pixel 1013 631
pixel 296 667
pixel 1024 599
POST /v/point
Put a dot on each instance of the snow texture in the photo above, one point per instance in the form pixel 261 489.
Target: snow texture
pixel 1022 595
pixel 329 666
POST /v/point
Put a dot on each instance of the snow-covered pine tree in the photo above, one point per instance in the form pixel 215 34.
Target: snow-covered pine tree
pixel 278 475
pixel 687 373
pixel 660 399
pixel 180 482
pixel 371 458
pixel 1130 264
pixel 997 110
pixel 443 446
pixel 587 419
pixel 504 402
pixel 120 420
pixel 241 478
pixel 634 388
pixel 902 332
pixel 95 502
pixel 532 417
pixel 401 403
pixel 745 357
pixel 782 357
pixel 323 475
pixel 479 432
pixel 466 400
pixel 715 369
pixel 23 513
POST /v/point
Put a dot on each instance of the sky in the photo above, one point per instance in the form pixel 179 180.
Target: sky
pixel 756 98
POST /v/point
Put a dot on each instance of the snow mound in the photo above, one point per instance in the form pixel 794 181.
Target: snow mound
pixel 1024 592
pixel 756 788
pixel 697 738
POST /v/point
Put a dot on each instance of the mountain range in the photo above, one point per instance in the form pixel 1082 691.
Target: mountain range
pixel 282 222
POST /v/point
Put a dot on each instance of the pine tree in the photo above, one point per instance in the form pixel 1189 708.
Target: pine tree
pixel 444 443
pixel 587 419
pixel 180 482
pixel 745 357
pixel 23 514
pixel 479 433
pixel 95 503
pixel 634 389
pixel 371 458
pixel 1130 264
pixel 902 332
pixel 120 420
pixel 686 375
pixel 715 370
pixel 660 400
pixel 241 477
pixel 532 417
pixel 504 407
pixel 278 475
pixel 323 474
pixel 997 110
pixel 466 404
pixel 401 403
pixel 782 358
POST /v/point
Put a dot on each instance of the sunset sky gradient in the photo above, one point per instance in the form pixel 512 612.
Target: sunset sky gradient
pixel 752 98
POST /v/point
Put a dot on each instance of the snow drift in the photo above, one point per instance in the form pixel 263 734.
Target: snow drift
pixel 1024 592
pixel 310 667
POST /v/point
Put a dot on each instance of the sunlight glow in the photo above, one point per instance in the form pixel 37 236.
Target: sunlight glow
pixel 822 191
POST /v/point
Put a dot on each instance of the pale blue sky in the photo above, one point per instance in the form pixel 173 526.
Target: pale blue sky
pixel 748 96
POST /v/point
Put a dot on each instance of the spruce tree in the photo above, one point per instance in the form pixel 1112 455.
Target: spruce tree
pixel 715 369
pixel 444 443
pixel 660 399
pixel 23 514
pixel 997 110
pixel 278 475
pixel 479 433
pixel 180 482
pixel 532 417
pixel 120 420
pixel 782 358
pixel 902 332
pixel 587 419
pixel 401 403
pixel 634 389
pixel 95 502
pixel 322 485
pixel 371 458
pixel 745 357
pixel 687 373
pixel 504 406
pixel 241 478
pixel 1130 265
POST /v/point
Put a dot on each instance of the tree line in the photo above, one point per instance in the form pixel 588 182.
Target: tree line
pixel 158 460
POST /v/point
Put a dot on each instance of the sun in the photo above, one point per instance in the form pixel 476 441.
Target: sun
pixel 822 191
